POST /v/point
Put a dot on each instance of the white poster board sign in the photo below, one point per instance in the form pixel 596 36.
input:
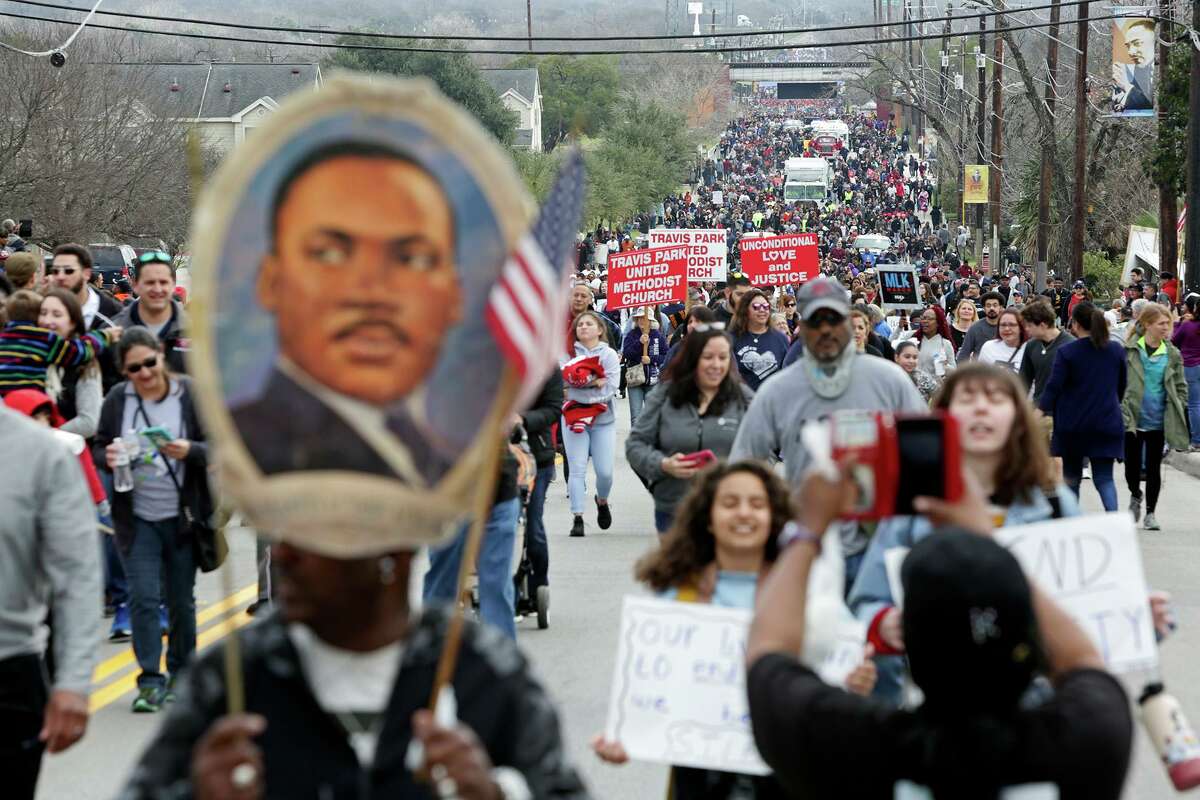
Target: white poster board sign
pixel 718 198
pixel 679 686
pixel 1092 566
pixel 708 250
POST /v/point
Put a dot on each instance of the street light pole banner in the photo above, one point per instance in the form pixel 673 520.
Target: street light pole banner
pixel 975 183
pixel 679 686
pixel 707 250
pixel 780 260
pixel 898 286
pixel 1133 43
pixel 647 277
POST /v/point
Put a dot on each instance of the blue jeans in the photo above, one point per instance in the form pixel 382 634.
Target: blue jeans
pixel 598 442
pixel 1193 382
pixel 497 598
pixel 157 561
pixel 663 520
pixel 535 530
pixel 637 399
pixel 116 589
pixel 1102 478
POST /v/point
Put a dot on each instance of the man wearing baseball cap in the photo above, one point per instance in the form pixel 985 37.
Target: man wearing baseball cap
pixel 828 377
pixel 976 633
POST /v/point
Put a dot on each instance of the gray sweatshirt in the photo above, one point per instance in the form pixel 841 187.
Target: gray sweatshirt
pixel 982 331
pixel 49 554
pixel 781 406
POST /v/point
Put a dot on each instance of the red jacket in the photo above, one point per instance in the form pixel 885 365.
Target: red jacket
pixel 29 402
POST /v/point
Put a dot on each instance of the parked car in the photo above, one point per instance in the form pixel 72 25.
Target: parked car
pixel 112 261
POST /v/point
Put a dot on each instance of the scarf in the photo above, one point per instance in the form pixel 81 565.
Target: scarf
pixel 831 380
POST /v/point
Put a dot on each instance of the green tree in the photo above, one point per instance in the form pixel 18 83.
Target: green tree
pixel 578 94
pixel 1166 161
pixel 454 73
pixel 1102 276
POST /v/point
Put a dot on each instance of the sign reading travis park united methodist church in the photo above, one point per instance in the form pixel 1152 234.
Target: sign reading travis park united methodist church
pixel 647 277
pixel 708 251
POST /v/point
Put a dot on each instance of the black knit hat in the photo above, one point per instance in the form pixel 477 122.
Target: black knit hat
pixel 969 625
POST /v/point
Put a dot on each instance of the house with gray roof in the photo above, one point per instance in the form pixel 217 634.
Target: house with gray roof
pixel 521 91
pixel 226 101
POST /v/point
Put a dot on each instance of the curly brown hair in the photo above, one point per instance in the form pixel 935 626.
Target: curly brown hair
pixel 689 546
pixel 1025 463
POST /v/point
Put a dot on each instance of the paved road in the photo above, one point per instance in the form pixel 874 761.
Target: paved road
pixel 574 657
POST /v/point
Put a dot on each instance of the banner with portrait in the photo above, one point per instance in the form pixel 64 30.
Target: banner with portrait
pixel 1133 47
pixel 975 183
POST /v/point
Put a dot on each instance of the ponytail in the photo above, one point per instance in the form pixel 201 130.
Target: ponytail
pixel 1087 316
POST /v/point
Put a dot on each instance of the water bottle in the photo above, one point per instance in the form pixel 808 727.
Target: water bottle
pixel 122 471
pixel 1172 735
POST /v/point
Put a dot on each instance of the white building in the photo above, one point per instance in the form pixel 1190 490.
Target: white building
pixel 521 91
pixel 226 101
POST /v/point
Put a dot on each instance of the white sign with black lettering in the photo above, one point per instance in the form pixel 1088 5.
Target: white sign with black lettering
pixel 1092 566
pixel 708 250
pixel 679 686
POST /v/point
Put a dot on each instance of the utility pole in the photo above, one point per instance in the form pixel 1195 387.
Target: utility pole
pixel 981 133
pixel 1079 201
pixel 1192 243
pixel 996 172
pixel 529 22
pixel 1049 151
pixel 942 83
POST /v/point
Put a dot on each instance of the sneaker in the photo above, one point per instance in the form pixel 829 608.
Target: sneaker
pixel 577 526
pixel 1135 507
pixel 603 515
pixel 1151 524
pixel 148 700
pixel 168 694
pixel 120 630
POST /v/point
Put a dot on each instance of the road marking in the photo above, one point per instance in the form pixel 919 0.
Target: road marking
pixel 126 684
pixel 114 664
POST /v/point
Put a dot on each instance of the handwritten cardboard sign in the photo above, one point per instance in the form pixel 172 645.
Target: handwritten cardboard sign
pixel 679 686
pixel 647 277
pixel 779 260
pixel 1092 566
pixel 707 249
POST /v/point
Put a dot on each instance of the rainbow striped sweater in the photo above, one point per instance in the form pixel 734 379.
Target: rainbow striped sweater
pixel 27 351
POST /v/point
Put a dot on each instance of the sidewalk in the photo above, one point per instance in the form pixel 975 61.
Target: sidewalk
pixel 1188 463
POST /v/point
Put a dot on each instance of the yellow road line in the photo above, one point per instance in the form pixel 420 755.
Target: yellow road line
pixel 127 683
pixel 114 664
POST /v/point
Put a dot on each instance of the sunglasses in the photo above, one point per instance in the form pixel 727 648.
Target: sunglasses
pixel 704 327
pixel 789 305
pixel 825 317
pixel 759 307
pixel 62 270
pixel 149 363
pixel 154 257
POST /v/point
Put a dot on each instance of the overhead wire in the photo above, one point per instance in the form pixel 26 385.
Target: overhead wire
pixel 624 51
pixel 64 45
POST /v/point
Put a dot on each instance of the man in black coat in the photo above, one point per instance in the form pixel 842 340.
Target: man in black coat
pixel 539 421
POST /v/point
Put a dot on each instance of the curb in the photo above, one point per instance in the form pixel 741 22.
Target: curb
pixel 1187 463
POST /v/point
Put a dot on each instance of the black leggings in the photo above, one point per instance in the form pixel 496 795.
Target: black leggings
pixel 1153 442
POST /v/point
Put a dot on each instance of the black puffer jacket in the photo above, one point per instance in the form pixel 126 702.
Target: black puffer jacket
pixel 541 417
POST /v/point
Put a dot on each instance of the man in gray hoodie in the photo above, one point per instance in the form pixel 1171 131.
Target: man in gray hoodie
pixel 48 556
pixel 983 330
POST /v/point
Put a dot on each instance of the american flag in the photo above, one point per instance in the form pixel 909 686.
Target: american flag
pixel 526 307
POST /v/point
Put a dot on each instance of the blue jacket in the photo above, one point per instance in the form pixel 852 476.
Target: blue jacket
pixel 872 594
pixel 631 348
pixel 1084 395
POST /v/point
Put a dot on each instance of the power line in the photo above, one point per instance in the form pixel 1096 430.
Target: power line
pixel 465 38
pixel 469 51
pixel 65 44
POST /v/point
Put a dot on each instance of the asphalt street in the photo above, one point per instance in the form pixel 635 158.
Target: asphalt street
pixel 574 656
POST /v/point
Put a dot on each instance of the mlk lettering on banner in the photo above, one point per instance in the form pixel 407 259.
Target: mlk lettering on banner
pixel 1092 566
pixel 779 260
pixel 647 277
pixel 708 250
pixel 899 287
pixel 679 686
pixel 1133 43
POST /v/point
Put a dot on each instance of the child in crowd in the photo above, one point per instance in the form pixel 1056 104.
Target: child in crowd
pixel 27 350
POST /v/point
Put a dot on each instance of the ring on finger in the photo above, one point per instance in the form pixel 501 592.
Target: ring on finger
pixel 243 776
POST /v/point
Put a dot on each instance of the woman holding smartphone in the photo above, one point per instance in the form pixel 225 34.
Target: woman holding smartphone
pixel 154 410
pixel 690 418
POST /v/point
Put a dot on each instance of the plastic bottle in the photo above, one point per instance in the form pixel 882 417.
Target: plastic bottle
pixel 1172 735
pixel 122 472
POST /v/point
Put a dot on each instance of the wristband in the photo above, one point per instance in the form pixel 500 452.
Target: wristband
pixel 795 532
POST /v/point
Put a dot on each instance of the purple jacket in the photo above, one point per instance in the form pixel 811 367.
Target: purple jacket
pixel 631 348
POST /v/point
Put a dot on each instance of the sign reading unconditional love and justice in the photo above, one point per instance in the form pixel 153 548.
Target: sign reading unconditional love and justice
pixel 780 260
pixel 679 686
pixel 647 277
pixel 707 249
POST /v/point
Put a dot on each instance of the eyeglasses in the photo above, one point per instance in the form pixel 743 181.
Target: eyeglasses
pixel 62 270
pixel 704 327
pixel 154 257
pixel 824 317
pixel 149 363
pixel 760 307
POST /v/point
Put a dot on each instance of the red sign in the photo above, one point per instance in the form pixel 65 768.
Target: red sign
pixel 779 260
pixel 647 277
